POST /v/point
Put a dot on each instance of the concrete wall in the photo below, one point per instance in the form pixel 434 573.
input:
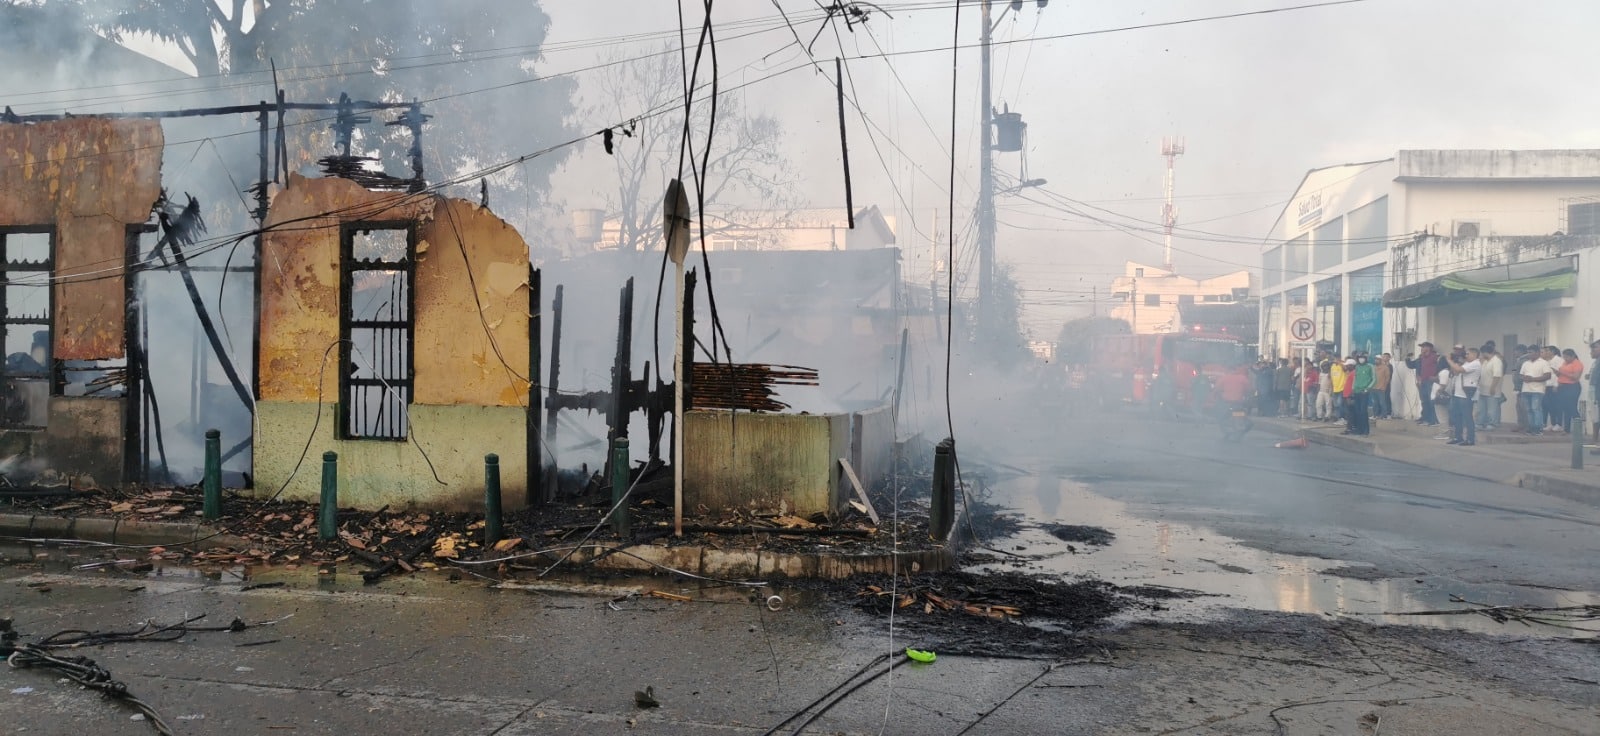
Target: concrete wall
pixel 374 473
pixel 872 445
pixel 89 179
pixel 471 351
pixel 1499 164
pixel 1516 207
pixel 764 462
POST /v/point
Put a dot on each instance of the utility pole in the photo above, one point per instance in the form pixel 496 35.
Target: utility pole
pixel 986 225
pixel 1134 300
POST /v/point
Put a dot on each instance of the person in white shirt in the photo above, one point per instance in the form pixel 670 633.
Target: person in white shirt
pixel 1552 408
pixel 1465 373
pixel 1535 374
pixel 1491 394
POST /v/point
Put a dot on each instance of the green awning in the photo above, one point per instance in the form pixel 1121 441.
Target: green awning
pixel 1539 279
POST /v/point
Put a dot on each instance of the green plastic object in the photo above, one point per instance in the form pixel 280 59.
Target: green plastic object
pixel 920 656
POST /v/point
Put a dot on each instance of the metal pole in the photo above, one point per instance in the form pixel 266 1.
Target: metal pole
pixel 619 487
pixel 328 512
pixel 492 526
pixel 535 455
pixel 213 476
pixel 986 226
pixel 942 509
pixel 1575 428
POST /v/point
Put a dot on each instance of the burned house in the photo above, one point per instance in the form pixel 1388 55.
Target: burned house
pixel 75 196
pixel 393 331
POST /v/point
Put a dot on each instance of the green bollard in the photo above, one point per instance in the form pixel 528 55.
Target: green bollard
pixel 491 500
pixel 619 488
pixel 212 485
pixel 328 512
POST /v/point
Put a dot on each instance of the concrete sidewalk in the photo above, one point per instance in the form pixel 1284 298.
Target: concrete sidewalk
pixel 1541 464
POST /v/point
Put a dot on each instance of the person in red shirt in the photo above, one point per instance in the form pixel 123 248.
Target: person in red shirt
pixel 1232 392
pixel 1427 367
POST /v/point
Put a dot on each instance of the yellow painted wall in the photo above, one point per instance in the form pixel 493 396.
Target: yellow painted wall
pixel 470 384
pixel 457 361
pixel 374 473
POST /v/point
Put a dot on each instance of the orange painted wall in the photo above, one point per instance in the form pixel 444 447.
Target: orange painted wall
pixel 90 178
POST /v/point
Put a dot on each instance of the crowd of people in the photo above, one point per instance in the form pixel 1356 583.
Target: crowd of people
pixel 1471 384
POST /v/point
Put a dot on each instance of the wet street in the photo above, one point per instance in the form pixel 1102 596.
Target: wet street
pixel 1315 530
pixel 1298 563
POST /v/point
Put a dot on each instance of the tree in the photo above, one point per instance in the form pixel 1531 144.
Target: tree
pixel 1077 336
pixel 396 50
pixel 747 168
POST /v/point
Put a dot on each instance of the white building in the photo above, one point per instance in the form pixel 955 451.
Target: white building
pixel 1148 297
pixel 1447 246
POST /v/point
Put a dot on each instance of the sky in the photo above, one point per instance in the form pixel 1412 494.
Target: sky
pixel 1259 100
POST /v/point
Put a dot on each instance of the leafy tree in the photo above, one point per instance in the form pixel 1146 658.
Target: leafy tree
pixel 388 50
pixel 747 168
pixel 1077 336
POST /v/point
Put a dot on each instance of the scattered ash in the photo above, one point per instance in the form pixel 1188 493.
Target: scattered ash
pixel 1094 535
pixel 992 521
pixel 997 613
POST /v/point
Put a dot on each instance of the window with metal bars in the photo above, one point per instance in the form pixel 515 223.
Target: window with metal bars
pixel 27 258
pixel 377 269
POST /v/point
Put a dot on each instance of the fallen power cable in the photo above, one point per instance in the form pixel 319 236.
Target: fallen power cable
pixel 86 673
pixel 80 670
pixel 1565 617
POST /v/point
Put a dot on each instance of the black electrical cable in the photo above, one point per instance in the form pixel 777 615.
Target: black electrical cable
pixel 836 688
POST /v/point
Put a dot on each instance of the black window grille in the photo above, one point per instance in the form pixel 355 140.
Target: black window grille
pixel 1583 218
pixel 378 266
pixel 27 258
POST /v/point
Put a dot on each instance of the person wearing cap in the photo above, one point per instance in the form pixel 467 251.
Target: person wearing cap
pixel 1426 364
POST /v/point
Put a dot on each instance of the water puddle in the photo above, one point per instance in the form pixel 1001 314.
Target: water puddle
pixel 1227 574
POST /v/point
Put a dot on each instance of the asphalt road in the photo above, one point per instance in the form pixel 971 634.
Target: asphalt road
pixel 1299 553
pixel 1369 518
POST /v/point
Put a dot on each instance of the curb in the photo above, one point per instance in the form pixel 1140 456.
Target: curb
pixel 762 564
pixel 116 531
pixel 1565 488
pixel 1581 491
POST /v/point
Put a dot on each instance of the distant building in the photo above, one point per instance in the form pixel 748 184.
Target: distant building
pixel 1043 350
pixel 1447 246
pixel 1149 297
pixel 759 230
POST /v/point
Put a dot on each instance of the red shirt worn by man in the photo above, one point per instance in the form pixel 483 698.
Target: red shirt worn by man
pixel 1233 387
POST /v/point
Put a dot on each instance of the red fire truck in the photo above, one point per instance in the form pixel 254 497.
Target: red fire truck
pixel 1136 368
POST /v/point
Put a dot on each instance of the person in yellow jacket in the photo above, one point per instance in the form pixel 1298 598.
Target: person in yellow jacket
pixel 1338 377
